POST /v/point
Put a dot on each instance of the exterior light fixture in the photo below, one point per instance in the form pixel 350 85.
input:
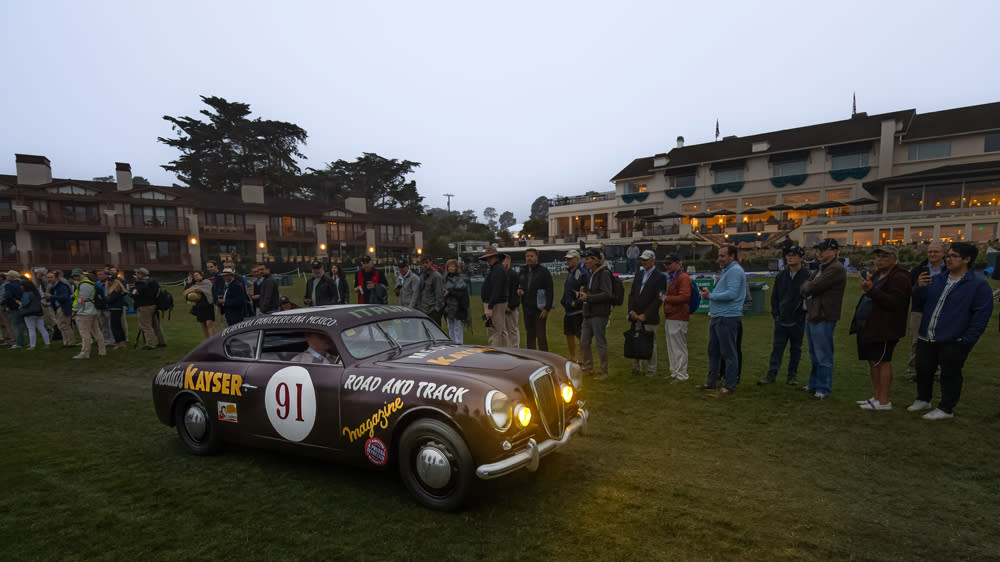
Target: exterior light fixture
pixel 322 247
pixel 193 241
pixel 261 245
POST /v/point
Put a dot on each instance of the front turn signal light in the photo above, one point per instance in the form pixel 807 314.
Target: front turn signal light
pixel 567 393
pixel 523 415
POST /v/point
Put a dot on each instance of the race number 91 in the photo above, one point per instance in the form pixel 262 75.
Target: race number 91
pixel 290 400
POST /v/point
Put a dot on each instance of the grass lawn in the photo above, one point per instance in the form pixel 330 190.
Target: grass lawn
pixel 664 473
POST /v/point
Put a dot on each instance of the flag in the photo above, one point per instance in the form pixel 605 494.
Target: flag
pixel 854 104
pixel 716 129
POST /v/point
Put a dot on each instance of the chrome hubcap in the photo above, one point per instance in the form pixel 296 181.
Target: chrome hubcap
pixel 433 467
pixel 195 422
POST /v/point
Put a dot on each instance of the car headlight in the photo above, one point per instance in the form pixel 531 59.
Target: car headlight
pixel 575 374
pixel 566 391
pixel 499 409
pixel 523 415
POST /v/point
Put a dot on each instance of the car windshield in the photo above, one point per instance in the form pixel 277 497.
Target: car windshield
pixel 377 337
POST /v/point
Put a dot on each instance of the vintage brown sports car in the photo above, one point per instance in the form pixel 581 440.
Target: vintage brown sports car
pixel 375 385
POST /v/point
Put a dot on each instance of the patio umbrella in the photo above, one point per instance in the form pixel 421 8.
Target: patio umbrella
pixel 862 201
pixel 701 215
pixel 754 211
pixel 780 207
pixel 829 205
pixel 671 215
pixel 722 212
pixel 806 207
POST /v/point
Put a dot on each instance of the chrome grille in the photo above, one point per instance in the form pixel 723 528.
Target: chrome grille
pixel 543 385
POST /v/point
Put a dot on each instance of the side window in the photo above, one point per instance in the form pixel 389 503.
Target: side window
pixel 243 346
pixel 295 346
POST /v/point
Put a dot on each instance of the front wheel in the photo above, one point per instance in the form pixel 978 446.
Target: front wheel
pixel 195 428
pixel 435 465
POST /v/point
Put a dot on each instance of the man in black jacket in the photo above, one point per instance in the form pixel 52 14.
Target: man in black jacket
pixel 596 297
pixel 234 299
pixel 644 304
pixel 145 293
pixel 535 290
pixel 494 294
pixel 320 289
pixel 789 315
pixel 269 297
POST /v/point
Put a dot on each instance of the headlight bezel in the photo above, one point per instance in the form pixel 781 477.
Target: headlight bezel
pixel 575 375
pixel 505 409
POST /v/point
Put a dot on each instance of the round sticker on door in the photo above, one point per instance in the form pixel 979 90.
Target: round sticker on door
pixel 290 400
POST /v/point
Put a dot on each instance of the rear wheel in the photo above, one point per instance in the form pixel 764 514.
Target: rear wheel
pixel 195 428
pixel 436 465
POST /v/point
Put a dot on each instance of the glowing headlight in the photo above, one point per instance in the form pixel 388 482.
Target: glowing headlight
pixel 523 415
pixel 498 408
pixel 567 392
pixel 575 374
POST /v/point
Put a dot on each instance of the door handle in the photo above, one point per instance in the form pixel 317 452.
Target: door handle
pixel 245 386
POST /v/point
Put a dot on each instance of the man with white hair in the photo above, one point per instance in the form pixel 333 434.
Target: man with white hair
pixel 934 265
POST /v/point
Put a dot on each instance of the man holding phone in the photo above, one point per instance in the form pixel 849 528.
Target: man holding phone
pixel 932 266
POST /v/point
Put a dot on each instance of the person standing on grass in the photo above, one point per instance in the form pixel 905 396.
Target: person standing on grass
pixel 145 294
pixel 234 297
pixel 513 302
pixel 103 314
pixel 85 313
pixel 676 313
pixel 11 301
pixel 725 307
pixel 31 311
pixel 115 291
pixel 202 308
pixel 342 295
pixel 576 278
pixel 494 296
pixel 320 289
pixel 456 300
pixel 632 255
pixel 889 289
pixel 535 290
pixel 61 300
pixel 407 285
pixel 430 291
pixel 957 309
pixel 644 304
pixel 824 294
pixel 934 265
pixel 368 278
pixel 596 297
pixel 269 294
pixel 789 316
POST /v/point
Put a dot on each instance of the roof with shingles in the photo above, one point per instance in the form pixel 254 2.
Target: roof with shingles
pixel 961 120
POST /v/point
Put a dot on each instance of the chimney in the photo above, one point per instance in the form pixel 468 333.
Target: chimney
pixel 123 176
pixel 355 203
pixel 860 115
pixel 680 142
pixel 252 190
pixel 33 170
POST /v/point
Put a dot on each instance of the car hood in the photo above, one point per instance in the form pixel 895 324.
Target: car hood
pixel 469 358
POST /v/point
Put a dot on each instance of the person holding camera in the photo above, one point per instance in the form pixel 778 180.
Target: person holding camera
pixel 596 296
pixel 824 294
pixel 789 316
pixel 933 265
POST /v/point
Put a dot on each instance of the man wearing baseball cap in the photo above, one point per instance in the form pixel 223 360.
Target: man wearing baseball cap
pixel 145 292
pixel 320 289
pixel 676 314
pixel 407 285
pixel 789 316
pixel 494 295
pixel 576 277
pixel 644 304
pixel 824 294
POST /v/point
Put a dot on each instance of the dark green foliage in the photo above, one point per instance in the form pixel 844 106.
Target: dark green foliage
pixel 540 209
pixel 381 181
pixel 536 228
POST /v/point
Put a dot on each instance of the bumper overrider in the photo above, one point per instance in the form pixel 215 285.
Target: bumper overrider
pixel 530 455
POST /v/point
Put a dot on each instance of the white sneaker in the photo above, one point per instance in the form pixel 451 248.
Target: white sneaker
pixel 860 402
pixel 937 414
pixel 918 405
pixel 873 404
pixel 819 395
pixel 81 356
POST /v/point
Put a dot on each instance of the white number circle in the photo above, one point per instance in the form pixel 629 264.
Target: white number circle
pixel 290 400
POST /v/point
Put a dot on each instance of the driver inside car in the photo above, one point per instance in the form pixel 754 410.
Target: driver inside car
pixel 318 350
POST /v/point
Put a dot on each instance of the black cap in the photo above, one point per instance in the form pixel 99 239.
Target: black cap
pixel 283 300
pixel 402 263
pixel 794 250
pixel 317 264
pixel 828 244
pixel 669 259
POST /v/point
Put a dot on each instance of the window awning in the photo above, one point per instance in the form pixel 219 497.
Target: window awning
pixel 849 148
pixel 682 171
pixel 644 213
pixel 624 214
pixel 729 164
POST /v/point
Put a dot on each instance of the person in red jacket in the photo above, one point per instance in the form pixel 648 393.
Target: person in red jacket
pixel 889 289
pixel 676 311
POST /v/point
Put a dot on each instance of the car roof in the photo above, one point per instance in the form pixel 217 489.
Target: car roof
pixel 333 317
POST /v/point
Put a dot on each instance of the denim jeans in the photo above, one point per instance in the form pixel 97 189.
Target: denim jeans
pixel 595 327
pixel 821 354
pixel 17 321
pixel 791 335
pixel 722 349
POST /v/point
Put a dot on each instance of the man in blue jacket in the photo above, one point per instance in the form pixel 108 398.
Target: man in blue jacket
pixel 956 311
pixel 725 306
pixel 60 296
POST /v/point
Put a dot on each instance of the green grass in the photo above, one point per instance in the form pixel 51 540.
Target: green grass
pixel 664 473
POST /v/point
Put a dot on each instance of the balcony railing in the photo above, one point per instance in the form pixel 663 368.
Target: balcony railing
pixel 133 259
pixel 397 239
pixel 159 224
pixel 579 199
pixel 292 233
pixel 63 259
pixel 7 220
pixel 248 232
pixel 32 218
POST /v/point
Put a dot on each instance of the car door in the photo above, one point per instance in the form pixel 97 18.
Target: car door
pixel 290 402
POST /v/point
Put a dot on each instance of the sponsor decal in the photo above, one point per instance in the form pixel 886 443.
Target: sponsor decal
pixel 227 412
pixel 212 381
pixel 370 311
pixel 380 419
pixel 281 319
pixel 452 357
pixel 376 451
pixel 173 378
pixel 403 387
pixel 290 401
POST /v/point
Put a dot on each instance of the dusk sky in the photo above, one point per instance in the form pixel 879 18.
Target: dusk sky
pixel 500 102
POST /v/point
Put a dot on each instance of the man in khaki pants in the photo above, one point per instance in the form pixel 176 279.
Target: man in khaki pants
pixel 60 295
pixel 146 289
pixel 85 312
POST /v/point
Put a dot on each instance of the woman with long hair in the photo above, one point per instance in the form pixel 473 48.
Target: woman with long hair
pixel 115 292
pixel 456 300
pixel 199 294
pixel 31 311
pixel 343 293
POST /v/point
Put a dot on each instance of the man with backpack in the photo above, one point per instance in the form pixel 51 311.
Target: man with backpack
pixel 678 304
pixel 597 298
pixel 85 311
pixel 146 295
pixel 60 296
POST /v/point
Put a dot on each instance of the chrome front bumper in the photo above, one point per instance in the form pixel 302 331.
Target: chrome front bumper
pixel 530 455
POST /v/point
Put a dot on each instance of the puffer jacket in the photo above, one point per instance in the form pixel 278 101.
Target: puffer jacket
pixel 824 292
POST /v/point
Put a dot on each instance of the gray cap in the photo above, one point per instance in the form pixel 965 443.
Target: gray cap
pixel 647 255
pixel 572 254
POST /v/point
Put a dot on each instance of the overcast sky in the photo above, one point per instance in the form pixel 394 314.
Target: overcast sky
pixel 500 102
